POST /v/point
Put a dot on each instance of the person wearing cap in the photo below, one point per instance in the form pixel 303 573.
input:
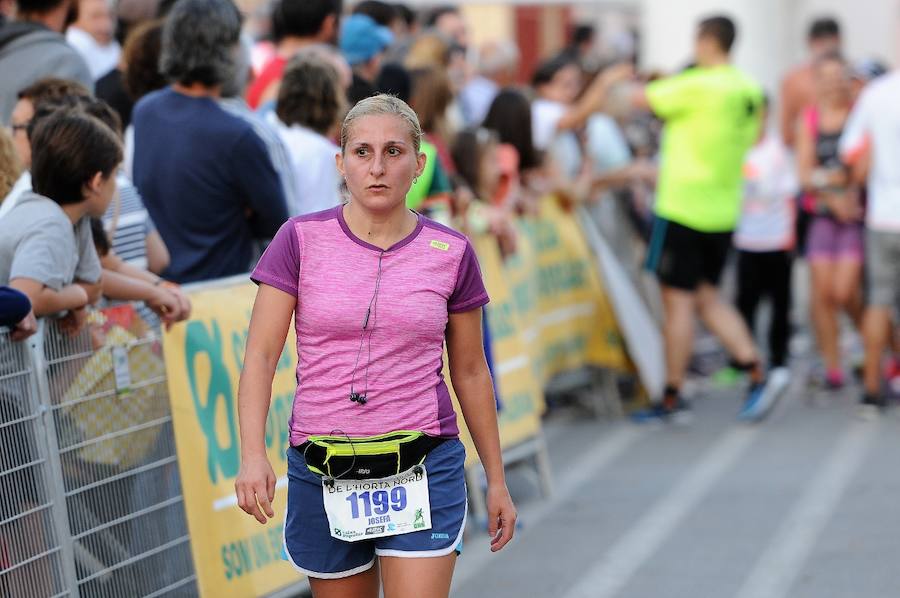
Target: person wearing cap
pixel 363 42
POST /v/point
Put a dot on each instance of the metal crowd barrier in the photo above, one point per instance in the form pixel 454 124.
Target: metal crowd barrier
pixel 91 501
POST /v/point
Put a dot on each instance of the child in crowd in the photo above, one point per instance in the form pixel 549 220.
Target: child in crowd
pixel 765 242
pixel 46 248
pixel 134 242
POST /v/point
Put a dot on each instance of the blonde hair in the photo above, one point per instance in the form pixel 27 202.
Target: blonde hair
pixel 379 105
pixel 10 166
pixel 428 50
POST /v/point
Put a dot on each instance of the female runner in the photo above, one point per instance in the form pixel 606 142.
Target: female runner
pixel 376 290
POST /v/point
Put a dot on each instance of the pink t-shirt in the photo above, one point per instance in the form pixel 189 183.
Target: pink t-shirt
pixel 431 273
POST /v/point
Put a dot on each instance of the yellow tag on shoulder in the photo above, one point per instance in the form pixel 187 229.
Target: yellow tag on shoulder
pixel 440 245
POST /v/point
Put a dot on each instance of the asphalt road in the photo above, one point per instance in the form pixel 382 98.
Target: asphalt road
pixel 804 505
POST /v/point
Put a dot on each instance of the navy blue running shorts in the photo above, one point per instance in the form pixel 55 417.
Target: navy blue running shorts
pixel 315 553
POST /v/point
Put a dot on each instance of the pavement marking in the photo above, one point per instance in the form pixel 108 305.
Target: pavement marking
pixel 642 541
pixel 594 459
pixel 782 560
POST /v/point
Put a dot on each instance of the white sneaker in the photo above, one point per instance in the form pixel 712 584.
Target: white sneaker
pixel 761 400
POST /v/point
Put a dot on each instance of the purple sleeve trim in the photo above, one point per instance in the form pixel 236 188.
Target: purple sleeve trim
pixel 475 303
pixel 279 265
pixel 273 281
pixel 469 289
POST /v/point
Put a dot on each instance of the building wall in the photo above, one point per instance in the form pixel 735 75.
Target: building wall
pixel 668 29
pixel 771 32
pixel 871 28
pixel 771 36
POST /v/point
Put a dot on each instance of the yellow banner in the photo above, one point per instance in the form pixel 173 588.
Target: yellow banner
pixel 521 394
pixel 233 554
pixel 576 323
pixel 557 308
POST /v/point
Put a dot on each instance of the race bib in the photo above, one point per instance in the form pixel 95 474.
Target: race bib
pixel 368 509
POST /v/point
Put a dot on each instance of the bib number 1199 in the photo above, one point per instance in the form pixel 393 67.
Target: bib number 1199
pixel 378 502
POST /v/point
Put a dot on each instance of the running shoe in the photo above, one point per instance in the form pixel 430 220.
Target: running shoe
pixel 893 375
pixel 678 413
pixel 762 397
pixel 681 414
pixel 871 407
pixel 834 379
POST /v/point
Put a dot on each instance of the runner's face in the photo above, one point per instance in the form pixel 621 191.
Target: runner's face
pixel 380 162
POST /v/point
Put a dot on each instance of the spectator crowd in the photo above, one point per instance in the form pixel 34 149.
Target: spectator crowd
pixel 154 143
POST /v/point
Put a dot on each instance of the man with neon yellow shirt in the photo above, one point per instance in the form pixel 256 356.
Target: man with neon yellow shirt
pixel 711 114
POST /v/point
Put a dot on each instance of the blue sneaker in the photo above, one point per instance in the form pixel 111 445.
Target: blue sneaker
pixel 677 413
pixel 762 397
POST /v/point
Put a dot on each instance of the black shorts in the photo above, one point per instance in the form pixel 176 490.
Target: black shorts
pixel 684 258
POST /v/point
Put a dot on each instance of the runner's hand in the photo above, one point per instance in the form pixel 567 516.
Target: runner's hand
pixel 501 516
pixel 255 488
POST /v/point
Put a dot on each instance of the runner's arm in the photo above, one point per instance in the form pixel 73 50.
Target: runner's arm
pixel 471 380
pixel 269 323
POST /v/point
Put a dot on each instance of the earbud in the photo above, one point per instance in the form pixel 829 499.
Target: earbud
pixel 358 398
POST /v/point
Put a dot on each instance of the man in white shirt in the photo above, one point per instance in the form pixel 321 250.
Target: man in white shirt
pixel 871 145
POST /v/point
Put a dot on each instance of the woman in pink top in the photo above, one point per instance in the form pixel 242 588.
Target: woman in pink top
pixel 376 291
pixel 834 240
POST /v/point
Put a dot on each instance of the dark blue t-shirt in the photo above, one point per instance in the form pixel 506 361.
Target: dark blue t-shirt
pixel 207 182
